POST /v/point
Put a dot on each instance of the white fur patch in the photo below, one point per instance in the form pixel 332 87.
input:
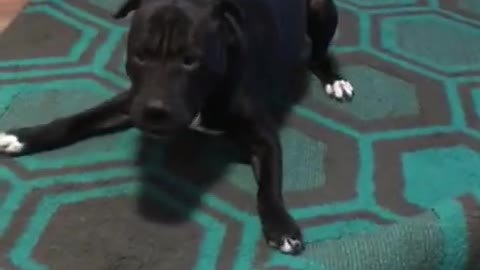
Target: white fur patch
pixel 10 144
pixel 197 125
pixel 339 89
pixel 288 245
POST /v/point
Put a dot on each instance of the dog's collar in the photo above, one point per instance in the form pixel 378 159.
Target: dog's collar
pixel 197 125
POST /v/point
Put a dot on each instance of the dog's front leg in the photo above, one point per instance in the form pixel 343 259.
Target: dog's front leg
pixel 279 228
pixel 109 116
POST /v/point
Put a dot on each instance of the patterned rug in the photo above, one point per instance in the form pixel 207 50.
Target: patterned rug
pixel 390 181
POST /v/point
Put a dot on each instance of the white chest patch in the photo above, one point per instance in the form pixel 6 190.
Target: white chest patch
pixel 197 125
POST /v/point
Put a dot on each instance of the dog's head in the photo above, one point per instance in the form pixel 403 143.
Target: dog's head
pixel 178 52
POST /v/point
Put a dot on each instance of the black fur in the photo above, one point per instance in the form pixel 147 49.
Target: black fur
pixel 240 64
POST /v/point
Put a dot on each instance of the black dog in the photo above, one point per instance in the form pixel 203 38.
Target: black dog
pixel 233 66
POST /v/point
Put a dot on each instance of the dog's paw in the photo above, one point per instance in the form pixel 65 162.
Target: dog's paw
pixel 282 233
pixel 287 245
pixel 340 89
pixel 10 144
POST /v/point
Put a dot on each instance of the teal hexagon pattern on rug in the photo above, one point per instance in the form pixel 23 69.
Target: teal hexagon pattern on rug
pixel 68 48
pixel 49 205
pixel 387 181
pixel 476 100
pixel 41 102
pixel 470 6
pixel 390 247
pixel 434 175
pixel 373 3
pixel 303 165
pixel 438 42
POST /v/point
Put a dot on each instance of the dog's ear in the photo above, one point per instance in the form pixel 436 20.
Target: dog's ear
pixel 127 7
pixel 230 20
pixel 230 7
pixel 230 16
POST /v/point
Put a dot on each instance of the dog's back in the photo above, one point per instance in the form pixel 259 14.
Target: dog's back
pixel 280 23
pixel 277 51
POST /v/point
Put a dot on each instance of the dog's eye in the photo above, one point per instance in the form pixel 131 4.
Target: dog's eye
pixel 190 61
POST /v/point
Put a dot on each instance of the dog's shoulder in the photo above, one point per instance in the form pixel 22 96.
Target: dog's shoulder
pixel 282 20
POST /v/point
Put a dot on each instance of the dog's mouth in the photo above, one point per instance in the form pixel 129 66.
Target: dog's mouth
pixel 163 133
pixel 155 134
pixel 160 133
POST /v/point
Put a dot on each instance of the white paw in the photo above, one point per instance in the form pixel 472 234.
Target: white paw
pixel 10 144
pixel 288 245
pixel 340 89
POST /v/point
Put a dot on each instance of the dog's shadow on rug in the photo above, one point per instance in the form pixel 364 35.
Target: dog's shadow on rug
pixel 176 174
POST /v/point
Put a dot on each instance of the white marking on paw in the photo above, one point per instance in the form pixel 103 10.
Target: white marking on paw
pixel 288 245
pixel 10 144
pixel 197 125
pixel 339 89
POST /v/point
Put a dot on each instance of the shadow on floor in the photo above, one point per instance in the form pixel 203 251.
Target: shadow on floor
pixel 197 159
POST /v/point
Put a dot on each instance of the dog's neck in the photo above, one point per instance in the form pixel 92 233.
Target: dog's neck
pixel 224 57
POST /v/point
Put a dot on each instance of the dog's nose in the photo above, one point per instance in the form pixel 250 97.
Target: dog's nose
pixel 155 111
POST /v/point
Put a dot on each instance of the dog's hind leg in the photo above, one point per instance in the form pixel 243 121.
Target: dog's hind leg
pixel 107 117
pixel 322 24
